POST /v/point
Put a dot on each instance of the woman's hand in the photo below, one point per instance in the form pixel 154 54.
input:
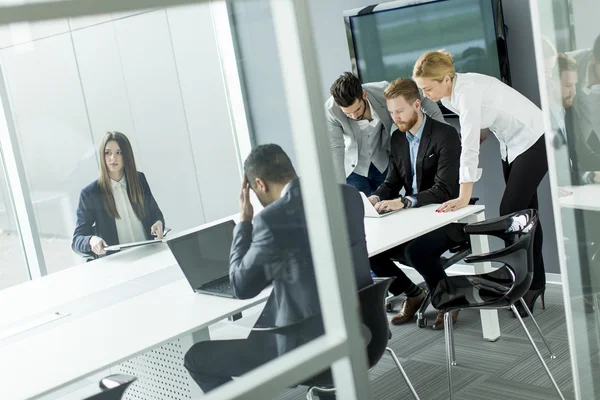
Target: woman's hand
pixel 157 230
pixel 98 245
pixel 453 205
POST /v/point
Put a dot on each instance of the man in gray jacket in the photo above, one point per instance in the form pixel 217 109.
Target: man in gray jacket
pixel 360 128
pixel 273 248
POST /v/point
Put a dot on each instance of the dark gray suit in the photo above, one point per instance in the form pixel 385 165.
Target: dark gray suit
pixel 274 249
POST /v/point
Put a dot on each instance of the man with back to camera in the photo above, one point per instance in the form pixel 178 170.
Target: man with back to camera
pixel 273 248
pixel 359 128
pixel 424 161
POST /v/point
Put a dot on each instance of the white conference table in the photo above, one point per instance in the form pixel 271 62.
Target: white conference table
pixel 142 288
pixel 586 197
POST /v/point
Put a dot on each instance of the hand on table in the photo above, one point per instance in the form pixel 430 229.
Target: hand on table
pixel 453 205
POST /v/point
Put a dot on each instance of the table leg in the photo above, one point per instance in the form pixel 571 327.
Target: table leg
pixel 479 244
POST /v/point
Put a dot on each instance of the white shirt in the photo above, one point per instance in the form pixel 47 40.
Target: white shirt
pixel 481 102
pixel 129 227
pixel 369 144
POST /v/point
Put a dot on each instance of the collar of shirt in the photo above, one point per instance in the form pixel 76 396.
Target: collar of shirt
pixel 416 139
pixel 374 116
pixel 116 184
pixel 285 189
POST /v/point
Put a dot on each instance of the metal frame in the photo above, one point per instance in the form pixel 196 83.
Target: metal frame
pixel 342 345
pixel 232 80
pixel 19 189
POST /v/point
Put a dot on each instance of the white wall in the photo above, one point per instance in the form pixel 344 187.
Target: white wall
pixel 156 77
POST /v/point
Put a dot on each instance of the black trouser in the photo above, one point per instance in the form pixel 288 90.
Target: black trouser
pixel 522 177
pixel 423 254
pixel 212 363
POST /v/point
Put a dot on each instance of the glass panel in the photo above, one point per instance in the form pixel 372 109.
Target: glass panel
pixel 572 73
pixel 156 76
pixel 67 89
pixel 13 267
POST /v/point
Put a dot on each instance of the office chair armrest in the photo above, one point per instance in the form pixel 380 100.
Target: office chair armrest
pixel 473 200
pixel 498 255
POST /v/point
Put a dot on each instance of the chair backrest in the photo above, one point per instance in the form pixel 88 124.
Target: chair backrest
pixel 372 305
pixel 518 229
pixel 113 387
pixel 507 227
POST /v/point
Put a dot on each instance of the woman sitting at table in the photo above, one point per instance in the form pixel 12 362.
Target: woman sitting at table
pixel 118 207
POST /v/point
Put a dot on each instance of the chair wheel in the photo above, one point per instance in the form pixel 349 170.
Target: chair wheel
pixel 388 307
pixel 422 322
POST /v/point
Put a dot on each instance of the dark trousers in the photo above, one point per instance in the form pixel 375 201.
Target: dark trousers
pixel 522 177
pixel 367 184
pixel 423 254
pixel 213 363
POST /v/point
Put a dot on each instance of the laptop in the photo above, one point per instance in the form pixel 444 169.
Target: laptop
pixel 203 257
pixel 117 247
pixel 370 211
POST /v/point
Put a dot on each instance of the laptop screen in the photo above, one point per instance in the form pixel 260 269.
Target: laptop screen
pixel 204 255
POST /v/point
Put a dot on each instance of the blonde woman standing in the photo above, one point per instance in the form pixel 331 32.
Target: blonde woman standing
pixel 483 102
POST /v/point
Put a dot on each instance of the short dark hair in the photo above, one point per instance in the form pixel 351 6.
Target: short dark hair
pixel 346 89
pixel 270 163
pixel 566 63
pixel 596 48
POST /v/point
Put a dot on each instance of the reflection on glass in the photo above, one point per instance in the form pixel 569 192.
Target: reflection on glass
pixel 573 87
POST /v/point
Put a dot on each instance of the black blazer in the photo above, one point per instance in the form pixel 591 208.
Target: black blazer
pixel 94 220
pixel 437 165
pixel 274 249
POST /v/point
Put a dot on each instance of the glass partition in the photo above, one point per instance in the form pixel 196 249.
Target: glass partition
pixel 569 67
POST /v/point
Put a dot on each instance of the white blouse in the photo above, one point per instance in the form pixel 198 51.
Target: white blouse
pixel 129 227
pixel 481 102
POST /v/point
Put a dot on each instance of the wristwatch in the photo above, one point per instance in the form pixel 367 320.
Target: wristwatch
pixel 405 202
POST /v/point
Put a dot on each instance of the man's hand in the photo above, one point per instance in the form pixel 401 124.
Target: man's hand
pixel 389 205
pixel 157 230
pixel 246 209
pixel 98 245
pixel 374 199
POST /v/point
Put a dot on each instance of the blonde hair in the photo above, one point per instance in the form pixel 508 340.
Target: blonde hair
pixel 434 65
pixel 404 87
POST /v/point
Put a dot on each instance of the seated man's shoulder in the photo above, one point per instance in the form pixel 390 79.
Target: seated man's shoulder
pixel 445 131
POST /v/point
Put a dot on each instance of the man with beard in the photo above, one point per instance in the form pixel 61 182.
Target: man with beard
pixel 359 129
pixel 424 162
pixel 575 160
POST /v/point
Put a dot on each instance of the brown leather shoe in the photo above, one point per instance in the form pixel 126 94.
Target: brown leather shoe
pixel 408 309
pixel 439 320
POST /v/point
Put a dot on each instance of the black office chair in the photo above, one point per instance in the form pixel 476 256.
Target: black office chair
pixel 499 289
pixel 113 387
pixel 376 333
pixel 457 253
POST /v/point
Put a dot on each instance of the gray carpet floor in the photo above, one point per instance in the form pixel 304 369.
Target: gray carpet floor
pixel 507 369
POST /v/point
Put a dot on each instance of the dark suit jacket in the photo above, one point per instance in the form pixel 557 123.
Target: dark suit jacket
pixel 94 220
pixel 275 249
pixel 573 156
pixel 437 165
